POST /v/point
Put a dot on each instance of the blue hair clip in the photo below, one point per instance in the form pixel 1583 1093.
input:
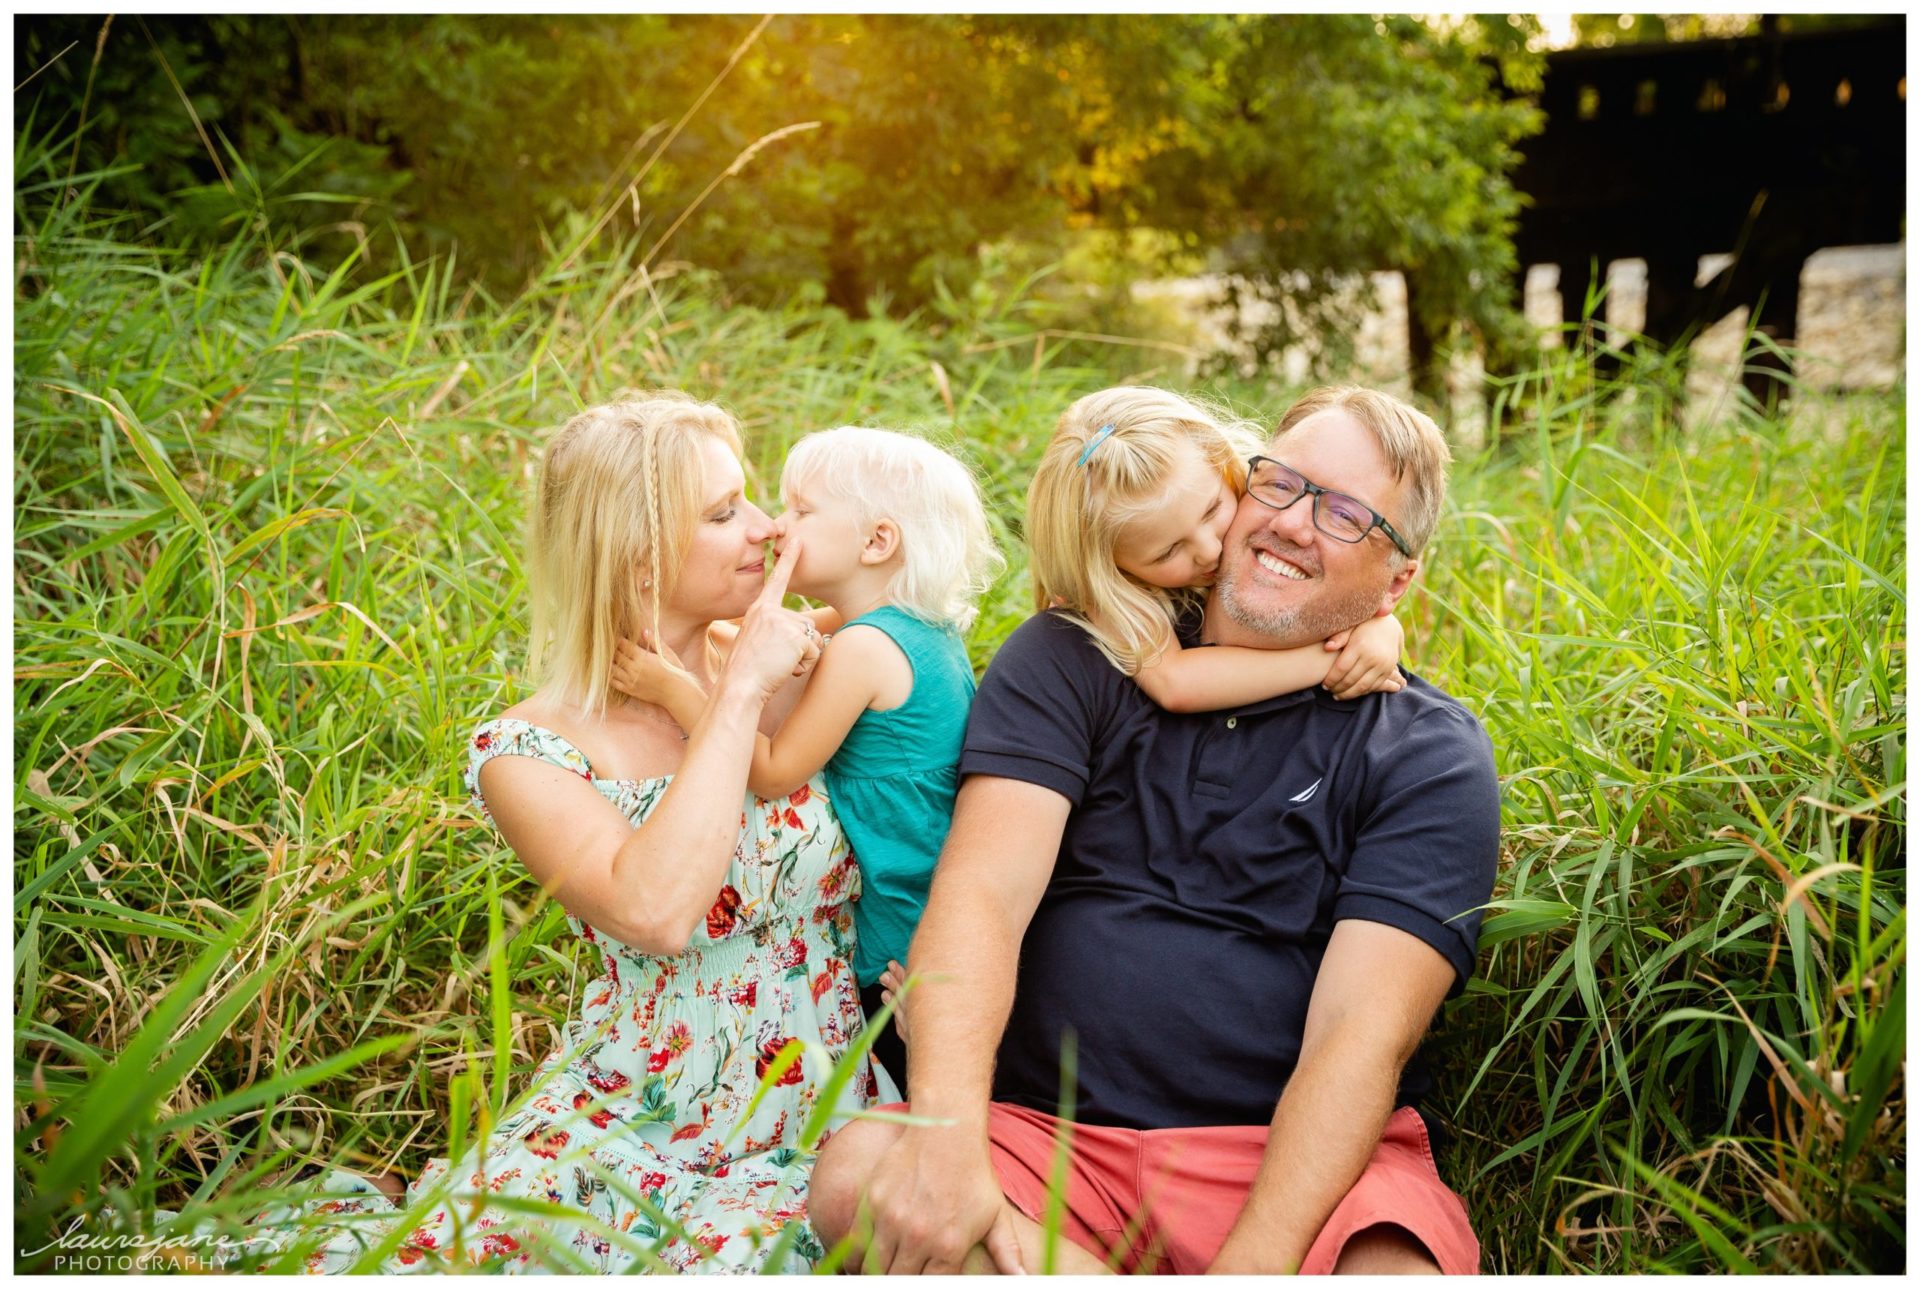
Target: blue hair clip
pixel 1099 437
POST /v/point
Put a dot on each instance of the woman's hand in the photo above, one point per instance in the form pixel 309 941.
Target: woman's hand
pixel 1369 659
pixel 775 643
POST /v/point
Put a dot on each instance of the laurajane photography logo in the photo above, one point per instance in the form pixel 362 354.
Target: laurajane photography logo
pixel 75 1249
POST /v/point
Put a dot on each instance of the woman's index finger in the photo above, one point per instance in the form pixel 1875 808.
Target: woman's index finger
pixel 775 588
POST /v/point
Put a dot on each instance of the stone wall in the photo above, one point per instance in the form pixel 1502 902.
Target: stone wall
pixel 1853 325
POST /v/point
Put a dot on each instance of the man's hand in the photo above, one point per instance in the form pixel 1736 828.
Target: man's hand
pixel 931 1200
pixel 931 1195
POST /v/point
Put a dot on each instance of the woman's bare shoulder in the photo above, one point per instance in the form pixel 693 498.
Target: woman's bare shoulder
pixel 543 714
pixel 617 745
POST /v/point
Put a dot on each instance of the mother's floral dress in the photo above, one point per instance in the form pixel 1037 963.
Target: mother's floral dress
pixel 643 1122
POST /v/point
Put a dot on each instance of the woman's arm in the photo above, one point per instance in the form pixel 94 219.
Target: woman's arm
pixel 650 886
pixel 1207 680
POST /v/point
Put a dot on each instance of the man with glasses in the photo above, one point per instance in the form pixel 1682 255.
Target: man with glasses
pixel 1232 927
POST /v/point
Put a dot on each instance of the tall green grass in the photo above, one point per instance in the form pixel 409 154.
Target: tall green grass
pixel 267 578
pixel 1685 1051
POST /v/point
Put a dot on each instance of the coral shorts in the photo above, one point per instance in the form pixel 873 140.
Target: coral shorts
pixel 1164 1200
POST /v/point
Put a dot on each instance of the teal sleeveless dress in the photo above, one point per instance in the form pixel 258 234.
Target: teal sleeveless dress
pixel 892 785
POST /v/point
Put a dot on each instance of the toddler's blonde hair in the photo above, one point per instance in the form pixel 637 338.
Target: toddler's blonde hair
pixel 948 558
pixel 1084 494
pixel 618 496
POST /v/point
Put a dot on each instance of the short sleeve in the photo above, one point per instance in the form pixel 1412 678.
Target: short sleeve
pixel 1428 840
pixel 1039 708
pixel 507 737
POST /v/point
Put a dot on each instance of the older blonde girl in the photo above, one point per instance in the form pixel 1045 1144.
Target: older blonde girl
pixel 1125 519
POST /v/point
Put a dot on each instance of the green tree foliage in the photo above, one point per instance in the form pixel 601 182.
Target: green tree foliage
pixel 862 161
pixel 1326 148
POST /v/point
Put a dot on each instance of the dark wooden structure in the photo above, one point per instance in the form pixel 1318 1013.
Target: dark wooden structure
pixel 1764 147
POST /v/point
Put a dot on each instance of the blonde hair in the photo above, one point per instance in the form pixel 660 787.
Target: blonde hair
pixel 948 558
pixel 619 492
pixel 1412 444
pixel 1085 493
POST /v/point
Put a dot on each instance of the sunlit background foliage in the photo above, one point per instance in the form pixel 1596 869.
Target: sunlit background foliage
pixel 1303 148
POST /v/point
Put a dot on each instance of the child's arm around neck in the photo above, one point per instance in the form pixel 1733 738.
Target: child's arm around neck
pixel 1213 679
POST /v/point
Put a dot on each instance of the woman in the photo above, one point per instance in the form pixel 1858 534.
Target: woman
pixel 723 932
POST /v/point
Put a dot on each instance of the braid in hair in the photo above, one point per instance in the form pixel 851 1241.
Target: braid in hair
pixel 655 534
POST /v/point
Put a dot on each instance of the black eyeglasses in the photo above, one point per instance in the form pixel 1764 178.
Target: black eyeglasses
pixel 1343 518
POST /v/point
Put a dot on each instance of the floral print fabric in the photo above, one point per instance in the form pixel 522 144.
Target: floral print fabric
pixel 643 1122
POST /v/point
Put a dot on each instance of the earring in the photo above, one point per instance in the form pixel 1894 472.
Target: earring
pixel 647 585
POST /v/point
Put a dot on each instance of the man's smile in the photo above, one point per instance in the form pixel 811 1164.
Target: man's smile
pixel 1280 566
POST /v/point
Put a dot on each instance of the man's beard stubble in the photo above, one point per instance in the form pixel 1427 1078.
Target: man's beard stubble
pixel 1292 625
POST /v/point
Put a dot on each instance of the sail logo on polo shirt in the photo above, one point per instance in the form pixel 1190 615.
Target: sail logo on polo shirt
pixel 1306 796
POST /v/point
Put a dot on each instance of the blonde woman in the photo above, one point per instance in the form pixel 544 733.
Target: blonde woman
pixel 721 921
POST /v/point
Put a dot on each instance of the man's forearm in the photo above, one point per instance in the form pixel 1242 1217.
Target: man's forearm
pixel 932 1193
pixel 1325 1129
pixel 1376 991
pixel 965 955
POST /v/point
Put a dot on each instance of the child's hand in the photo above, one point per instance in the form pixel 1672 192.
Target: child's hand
pixel 890 982
pixel 1369 659
pixel 648 676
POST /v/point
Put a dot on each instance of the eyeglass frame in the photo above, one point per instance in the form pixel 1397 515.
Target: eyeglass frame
pixel 1314 490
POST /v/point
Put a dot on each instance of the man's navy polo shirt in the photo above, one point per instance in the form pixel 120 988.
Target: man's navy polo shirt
pixel 1205 862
